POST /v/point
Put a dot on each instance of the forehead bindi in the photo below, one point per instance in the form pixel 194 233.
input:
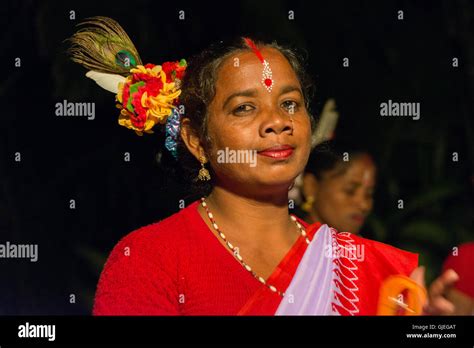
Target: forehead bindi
pixel 244 71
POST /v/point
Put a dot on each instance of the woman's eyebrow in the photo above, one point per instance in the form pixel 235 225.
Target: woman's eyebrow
pixel 290 88
pixel 245 93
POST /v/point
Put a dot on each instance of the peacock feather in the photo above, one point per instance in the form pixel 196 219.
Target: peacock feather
pixel 103 46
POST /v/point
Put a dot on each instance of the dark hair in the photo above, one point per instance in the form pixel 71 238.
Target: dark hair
pixel 198 91
pixel 330 155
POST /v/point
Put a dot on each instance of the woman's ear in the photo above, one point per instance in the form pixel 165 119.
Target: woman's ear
pixel 191 139
pixel 310 185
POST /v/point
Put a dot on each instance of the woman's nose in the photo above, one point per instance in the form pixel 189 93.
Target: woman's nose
pixel 364 204
pixel 276 121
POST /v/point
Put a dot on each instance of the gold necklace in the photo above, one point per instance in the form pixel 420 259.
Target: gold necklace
pixel 235 249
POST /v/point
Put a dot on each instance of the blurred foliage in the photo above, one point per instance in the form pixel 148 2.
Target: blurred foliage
pixel 437 210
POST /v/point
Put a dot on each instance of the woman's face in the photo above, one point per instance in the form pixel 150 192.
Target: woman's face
pixel 343 201
pixel 244 115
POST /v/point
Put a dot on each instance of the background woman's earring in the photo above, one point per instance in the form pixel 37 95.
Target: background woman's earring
pixel 308 204
pixel 203 172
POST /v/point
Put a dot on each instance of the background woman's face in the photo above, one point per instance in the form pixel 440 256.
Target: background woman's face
pixel 343 201
pixel 245 116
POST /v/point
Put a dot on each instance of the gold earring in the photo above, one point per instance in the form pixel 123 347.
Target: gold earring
pixel 203 172
pixel 308 204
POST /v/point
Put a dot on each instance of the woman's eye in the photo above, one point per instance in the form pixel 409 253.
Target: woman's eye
pixel 290 106
pixel 243 109
pixel 349 192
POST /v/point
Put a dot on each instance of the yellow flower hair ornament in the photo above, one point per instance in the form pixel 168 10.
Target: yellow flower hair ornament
pixel 147 95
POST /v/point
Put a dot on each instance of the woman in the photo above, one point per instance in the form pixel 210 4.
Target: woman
pixel 338 185
pixel 237 251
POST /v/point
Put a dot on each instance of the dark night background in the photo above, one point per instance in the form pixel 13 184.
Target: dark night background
pixel 65 158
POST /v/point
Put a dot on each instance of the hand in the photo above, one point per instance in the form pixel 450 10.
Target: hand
pixel 436 303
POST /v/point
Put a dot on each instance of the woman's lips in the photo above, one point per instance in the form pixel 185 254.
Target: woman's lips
pixel 278 152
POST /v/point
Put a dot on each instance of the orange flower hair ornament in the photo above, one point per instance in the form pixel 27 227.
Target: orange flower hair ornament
pixel 147 95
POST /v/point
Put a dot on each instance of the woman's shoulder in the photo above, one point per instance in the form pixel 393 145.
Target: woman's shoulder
pixel 387 255
pixel 143 263
pixel 383 247
pixel 380 256
pixel 161 237
pixel 169 228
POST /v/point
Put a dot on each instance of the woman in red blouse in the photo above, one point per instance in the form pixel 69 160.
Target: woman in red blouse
pixel 246 135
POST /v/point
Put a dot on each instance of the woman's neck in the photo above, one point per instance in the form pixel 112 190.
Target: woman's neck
pixel 258 220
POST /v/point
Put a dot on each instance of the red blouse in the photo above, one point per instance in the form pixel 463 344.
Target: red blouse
pixel 178 267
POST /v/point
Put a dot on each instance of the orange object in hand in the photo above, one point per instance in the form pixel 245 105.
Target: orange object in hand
pixel 400 295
